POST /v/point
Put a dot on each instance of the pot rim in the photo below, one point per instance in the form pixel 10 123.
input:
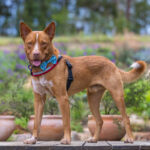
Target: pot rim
pixel 48 117
pixel 7 117
pixel 90 117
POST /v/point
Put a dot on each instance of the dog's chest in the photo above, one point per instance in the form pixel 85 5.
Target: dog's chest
pixel 42 86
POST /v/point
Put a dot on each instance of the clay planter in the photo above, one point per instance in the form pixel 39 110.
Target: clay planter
pixel 7 126
pixel 113 128
pixel 51 127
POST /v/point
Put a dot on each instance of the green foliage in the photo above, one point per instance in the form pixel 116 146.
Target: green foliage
pixel 15 99
pixel 95 16
pixel 111 55
pixel 81 38
pixel 21 100
pixel 51 106
pixel 40 17
pixel 61 20
pixel 5 11
pixel 10 139
pixel 125 56
pixel 108 105
pixel 137 99
pixel 76 126
pixel 121 23
pixel 79 111
pixel 9 40
pixel 142 8
pixel 23 122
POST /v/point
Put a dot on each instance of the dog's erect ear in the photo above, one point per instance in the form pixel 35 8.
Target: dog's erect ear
pixel 24 30
pixel 50 30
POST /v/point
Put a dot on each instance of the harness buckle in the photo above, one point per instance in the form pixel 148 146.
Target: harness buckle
pixel 70 78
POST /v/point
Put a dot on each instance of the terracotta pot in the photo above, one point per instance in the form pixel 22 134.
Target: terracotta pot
pixel 113 128
pixel 7 126
pixel 51 127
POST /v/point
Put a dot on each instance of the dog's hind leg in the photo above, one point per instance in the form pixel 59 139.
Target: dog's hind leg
pixel 39 102
pixel 118 96
pixel 95 94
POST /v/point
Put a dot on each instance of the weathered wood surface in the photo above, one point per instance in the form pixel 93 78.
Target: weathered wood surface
pixel 53 145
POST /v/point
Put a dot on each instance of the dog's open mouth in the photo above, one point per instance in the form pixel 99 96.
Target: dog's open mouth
pixel 36 63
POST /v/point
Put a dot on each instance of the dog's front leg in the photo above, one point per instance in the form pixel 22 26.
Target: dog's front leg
pixel 65 110
pixel 39 102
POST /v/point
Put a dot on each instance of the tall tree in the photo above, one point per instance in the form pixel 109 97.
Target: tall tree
pixel 5 14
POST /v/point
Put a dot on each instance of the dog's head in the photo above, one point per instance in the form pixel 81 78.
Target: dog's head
pixel 38 44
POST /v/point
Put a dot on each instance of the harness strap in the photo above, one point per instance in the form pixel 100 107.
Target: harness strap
pixel 70 76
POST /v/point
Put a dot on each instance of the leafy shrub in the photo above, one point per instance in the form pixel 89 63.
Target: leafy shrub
pixel 137 99
pixel 13 74
pixel 23 122
pixel 125 56
pixel 51 106
pixel 17 100
pixel 107 105
pixel 111 55
pixel 76 126
pixel 79 111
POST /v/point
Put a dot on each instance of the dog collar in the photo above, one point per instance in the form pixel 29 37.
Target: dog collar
pixel 44 64
pixel 44 67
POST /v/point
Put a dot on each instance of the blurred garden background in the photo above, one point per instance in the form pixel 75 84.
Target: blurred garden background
pixel 116 29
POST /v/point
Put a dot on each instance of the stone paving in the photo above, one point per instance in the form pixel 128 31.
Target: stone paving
pixel 53 145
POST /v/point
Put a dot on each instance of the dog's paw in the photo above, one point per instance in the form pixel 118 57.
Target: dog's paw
pixel 31 140
pixel 128 139
pixel 65 141
pixel 92 140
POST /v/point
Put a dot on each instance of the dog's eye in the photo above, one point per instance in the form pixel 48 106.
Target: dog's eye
pixel 44 45
pixel 29 44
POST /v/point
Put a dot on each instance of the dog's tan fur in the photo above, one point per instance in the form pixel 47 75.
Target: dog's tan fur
pixel 96 73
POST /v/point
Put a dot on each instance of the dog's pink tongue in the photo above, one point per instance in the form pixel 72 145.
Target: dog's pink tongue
pixel 36 63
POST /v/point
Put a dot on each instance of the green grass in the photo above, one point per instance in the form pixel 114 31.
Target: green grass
pixel 144 38
pixel 85 38
pixel 81 38
pixel 71 38
pixel 9 40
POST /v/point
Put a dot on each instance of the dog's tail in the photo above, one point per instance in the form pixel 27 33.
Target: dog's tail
pixel 138 69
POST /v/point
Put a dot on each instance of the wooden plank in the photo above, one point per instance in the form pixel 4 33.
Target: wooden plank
pixel 118 145
pixel 40 145
pixel 76 145
pixel 143 145
pixel 101 145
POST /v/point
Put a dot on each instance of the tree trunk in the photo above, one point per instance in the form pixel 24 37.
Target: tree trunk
pixel 128 9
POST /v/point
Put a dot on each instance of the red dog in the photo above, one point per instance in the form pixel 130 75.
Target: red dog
pixel 95 73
